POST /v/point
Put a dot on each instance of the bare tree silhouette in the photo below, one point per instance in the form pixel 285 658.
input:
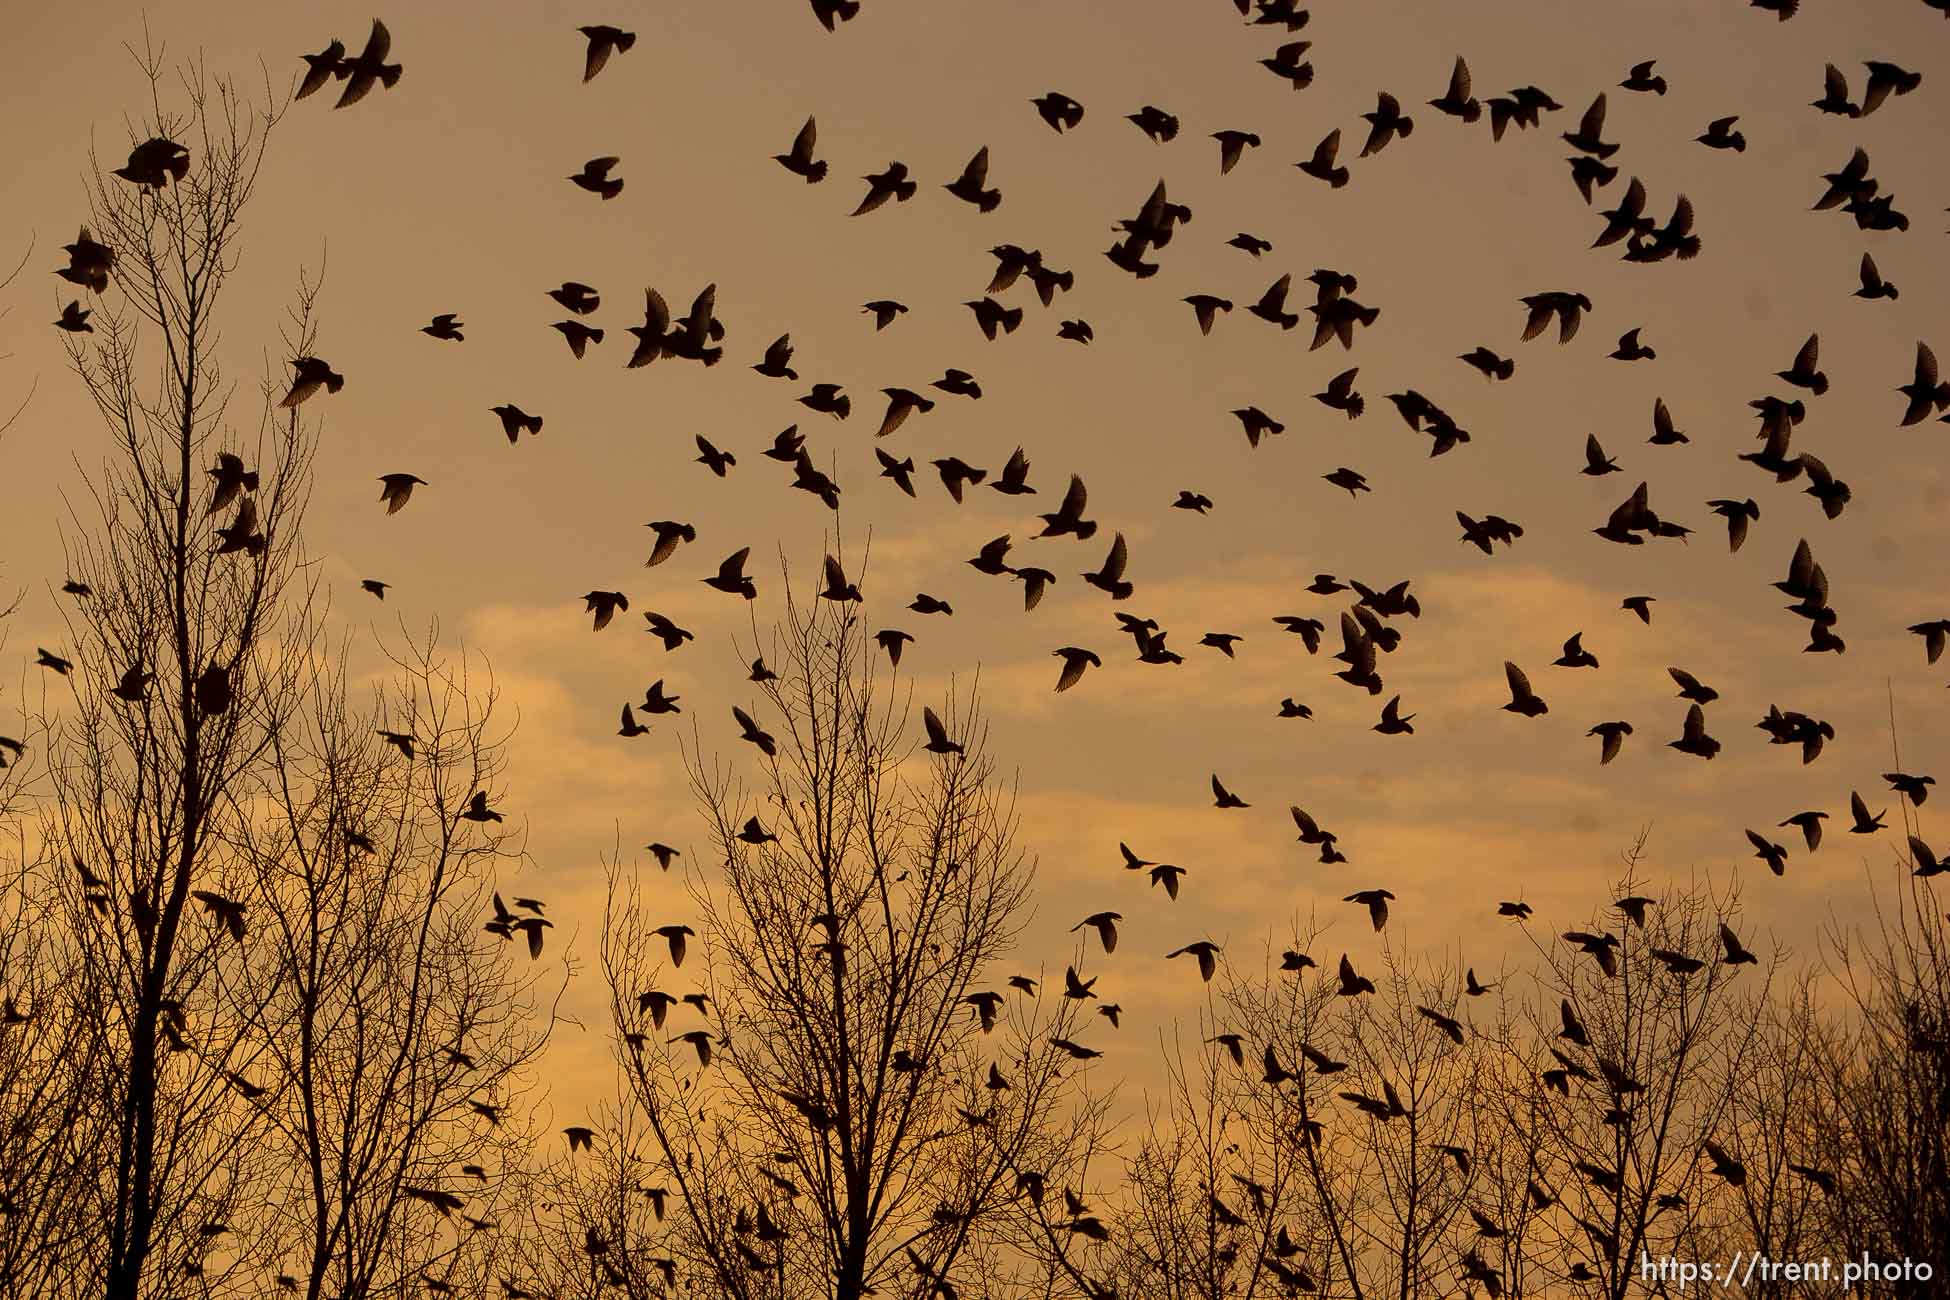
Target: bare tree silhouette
pixel 835 1117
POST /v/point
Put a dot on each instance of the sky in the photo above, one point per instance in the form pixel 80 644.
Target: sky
pixel 448 194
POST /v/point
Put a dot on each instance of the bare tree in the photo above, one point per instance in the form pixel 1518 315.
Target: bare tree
pixel 1626 1061
pixel 1881 1117
pixel 394 1050
pixel 835 1115
pixel 1309 1150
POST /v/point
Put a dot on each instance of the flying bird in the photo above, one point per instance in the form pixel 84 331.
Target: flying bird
pixel 367 67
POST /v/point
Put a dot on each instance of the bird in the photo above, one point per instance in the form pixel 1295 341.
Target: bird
pixel 893 183
pixel 670 534
pixel 1457 101
pixel 1109 578
pixel 777 362
pixel 1059 111
pixel 1489 364
pixel 1805 372
pixel 1873 285
pixel 968 187
pixel 1663 432
pixel 578 336
pixel 901 403
pixel 1105 923
pixel 893 640
pixel 1865 822
pixel 74 319
pixel 397 489
pixel 1767 851
pixel 1591 127
pixel 603 42
pixel 445 327
pixel 884 312
pixel 751 731
pixel 1340 394
pixel 1738 515
pixel 1630 349
pixel 1884 80
pixel 1690 687
pixel 1321 166
pixel 320 68
pixel 1575 655
pixel 310 375
pixel 713 459
pixel 730 577
pixel 1159 125
pixel 799 158
pixel 1393 722
pixel 1249 244
pixel 1289 64
pixel 837 587
pixel 666 631
pixel 1351 985
pixel 1693 738
pixel 1376 901
pixel 477 809
pixel 1926 394
pixel 1567 307
pixel 574 296
pixel 1075 660
pixel 1642 79
pixel 1232 147
pixel 938 742
pixel 1612 736
pixel 1351 480
pixel 1523 700
pixel 1385 123
pixel 367 67
pixel 1224 798
pixel 1735 953
pixel 1834 94
pixel 595 177
pixel 1720 134
pixel 1205 951
pixel 1640 605
pixel 604 604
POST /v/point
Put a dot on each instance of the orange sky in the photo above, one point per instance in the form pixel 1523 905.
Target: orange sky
pixel 447 194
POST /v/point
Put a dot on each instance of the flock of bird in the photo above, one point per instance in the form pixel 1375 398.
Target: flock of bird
pixel 1377 617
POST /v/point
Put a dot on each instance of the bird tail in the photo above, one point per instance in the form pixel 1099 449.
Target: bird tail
pixel 625 41
pixel 1405 128
pixel 1688 249
pixel 845 404
pixel 534 423
pixel 389 76
pixel 816 172
pixel 1086 530
pixel 990 201
pixel 1355 406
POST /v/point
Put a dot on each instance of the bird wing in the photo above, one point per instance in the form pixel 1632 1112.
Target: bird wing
pixel 1074 499
pixel 1925 366
pixel 1115 561
pixel 976 174
pixel 802 144
pixel 1324 152
pixel 378 45
pixel 1593 124
pixel 1459 81
pixel 937 734
pixel 1519 684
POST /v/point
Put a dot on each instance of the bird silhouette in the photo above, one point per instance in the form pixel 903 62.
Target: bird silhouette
pixel 368 67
